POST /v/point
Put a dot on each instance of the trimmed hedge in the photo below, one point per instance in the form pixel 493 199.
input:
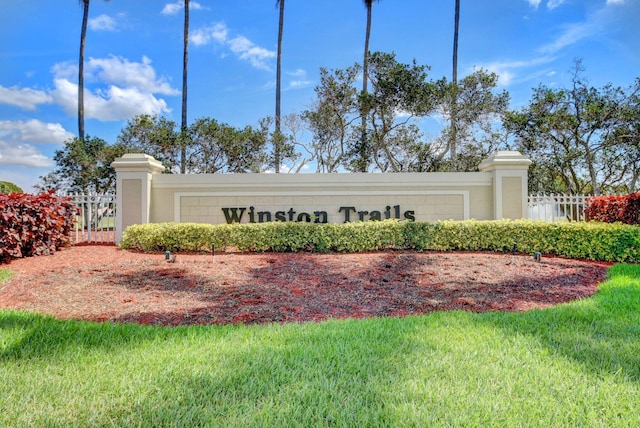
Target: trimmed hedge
pixel 593 241
pixel 32 225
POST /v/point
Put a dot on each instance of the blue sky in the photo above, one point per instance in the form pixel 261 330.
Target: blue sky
pixel 134 57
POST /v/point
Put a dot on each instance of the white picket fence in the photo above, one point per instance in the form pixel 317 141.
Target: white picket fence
pixel 557 207
pixel 96 220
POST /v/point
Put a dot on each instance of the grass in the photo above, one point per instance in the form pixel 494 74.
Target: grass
pixel 573 365
pixel 105 223
pixel 5 274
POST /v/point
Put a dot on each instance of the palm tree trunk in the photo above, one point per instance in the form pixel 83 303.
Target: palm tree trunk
pixel 454 80
pixel 83 35
pixel 277 139
pixel 365 80
pixel 185 66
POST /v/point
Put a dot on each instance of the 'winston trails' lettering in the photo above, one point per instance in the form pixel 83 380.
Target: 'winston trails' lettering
pixel 236 214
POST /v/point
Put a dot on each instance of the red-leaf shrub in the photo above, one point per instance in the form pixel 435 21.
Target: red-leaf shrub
pixel 32 225
pixel 611 209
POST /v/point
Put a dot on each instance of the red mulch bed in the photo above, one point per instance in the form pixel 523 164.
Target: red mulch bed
pixel 103 283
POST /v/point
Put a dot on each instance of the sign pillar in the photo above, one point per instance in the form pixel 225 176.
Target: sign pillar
pixel 510 182
pixel 134 173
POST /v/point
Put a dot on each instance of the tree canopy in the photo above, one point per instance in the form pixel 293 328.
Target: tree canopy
pixel 581 138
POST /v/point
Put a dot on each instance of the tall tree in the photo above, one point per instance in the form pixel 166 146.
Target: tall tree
pixel 364 150
pixel 454 80
pixel 84 165
pixel 365 62
pixel 221 148
pixel 155 136
pixel 185 66
pixel 394 139
pixel 575 135
pixel 83 36
pixel 278 134
pixel 475 109
pixel 332 116
pixel 395 87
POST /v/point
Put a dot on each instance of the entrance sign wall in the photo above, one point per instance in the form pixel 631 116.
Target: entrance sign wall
pixel 145 195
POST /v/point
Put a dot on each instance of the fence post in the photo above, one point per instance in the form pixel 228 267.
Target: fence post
pixel 134 173
pixel 510 182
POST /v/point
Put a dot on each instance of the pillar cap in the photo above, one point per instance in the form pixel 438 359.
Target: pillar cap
pixel 137 162
pixel 505 159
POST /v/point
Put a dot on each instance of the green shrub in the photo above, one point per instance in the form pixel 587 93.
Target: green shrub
pixel 8 187
pixel 594 241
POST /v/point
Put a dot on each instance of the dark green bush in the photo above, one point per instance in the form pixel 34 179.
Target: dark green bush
pixel 593 241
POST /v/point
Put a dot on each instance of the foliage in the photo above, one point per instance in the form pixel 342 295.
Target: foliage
pixel 32 225
pixel 474 111
pixel 8 187
pixel 399 93
pixel 210 146
pixel 152 135
pixel 570 365
pixel 83 166
pixel 580 138
pixel 332 116
pixel 399 96
pixel 611 209
pixel 218 147
pixel 593 241
pixel 627 135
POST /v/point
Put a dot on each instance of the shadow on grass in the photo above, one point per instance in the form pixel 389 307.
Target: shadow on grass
pixel 602 333
pixel 29 335
pixel 325 374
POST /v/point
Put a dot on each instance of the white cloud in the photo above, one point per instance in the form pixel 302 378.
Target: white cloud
pixel 22 155
pixel 241 46
pixel 175 7
pixel 299 79
pixel 103 23
pixel 216 32
pixel 615 1
pixel 247 50
pixel 25 98
pixel 298 73
pixel 508 71
pixel 115 88
pixel 572 33
pixel 111 103
pixel 18 140
pixel 552 4
pixel 33 131
pixel 121 71
pixel 65 70
pixel 297 84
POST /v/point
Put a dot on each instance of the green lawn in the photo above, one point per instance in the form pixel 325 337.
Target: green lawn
pixel 5 274
pixel 572 365
pixel 105 223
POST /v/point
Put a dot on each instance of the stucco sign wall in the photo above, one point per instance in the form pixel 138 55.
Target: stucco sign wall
pixel 145 195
